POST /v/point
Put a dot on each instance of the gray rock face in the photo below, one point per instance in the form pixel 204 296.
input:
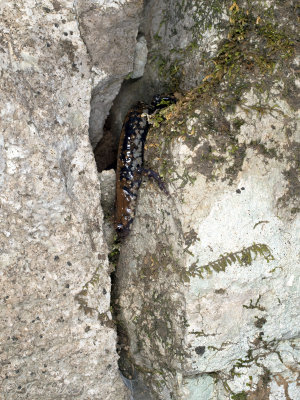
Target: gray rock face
pixel 57 337
pixel 182 37
pixel 109 30
pixel 208 277
pixel 140 58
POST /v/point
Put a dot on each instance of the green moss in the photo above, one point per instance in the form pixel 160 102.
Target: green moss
pixel 128 76
pixel 277 40
pixel 245 60
pixel 255 355
pixel 236 52
pixel 239 396
pixel 253 305
pixel 234 149
pixel 160 115
pixel 113 255
pixel 237 123
pixel 236 55
pixel 243 257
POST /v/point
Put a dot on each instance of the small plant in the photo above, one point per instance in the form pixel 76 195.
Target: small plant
pixel 243 257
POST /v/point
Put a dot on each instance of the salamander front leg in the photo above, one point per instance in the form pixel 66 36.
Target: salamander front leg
pixel 154 175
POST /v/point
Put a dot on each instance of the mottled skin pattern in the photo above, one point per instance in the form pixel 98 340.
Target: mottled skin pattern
pixel 130 161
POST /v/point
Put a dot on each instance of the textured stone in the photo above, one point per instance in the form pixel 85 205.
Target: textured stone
pixel 109 30
pixel 208 277
pixel 140 58
pixel 57 336
pixel 108 193
pixel 180 37
pixel 205 293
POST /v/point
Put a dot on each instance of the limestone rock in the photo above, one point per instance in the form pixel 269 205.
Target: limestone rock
pixel 109 30
pixel 208 277
pixel 57 336
pixel 140 58
pixel 108 193
pixel 205 293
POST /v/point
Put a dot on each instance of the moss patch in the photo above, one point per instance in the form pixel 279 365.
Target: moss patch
pixel 245 60
pixel 243 257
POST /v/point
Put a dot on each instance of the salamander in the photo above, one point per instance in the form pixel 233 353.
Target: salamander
pixel 130 161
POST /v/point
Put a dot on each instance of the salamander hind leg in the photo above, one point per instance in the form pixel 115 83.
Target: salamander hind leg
pixel 158 179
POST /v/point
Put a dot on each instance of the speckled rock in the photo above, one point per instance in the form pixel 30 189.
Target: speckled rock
pixel 108 193
pixel 109 30
pixel 57 338
pixel 209 277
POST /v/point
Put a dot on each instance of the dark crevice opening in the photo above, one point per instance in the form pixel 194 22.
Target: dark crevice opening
pixel 130 93
pixel 106 150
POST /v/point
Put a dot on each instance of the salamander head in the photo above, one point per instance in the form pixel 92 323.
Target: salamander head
pixel 160 101
pixel 122 230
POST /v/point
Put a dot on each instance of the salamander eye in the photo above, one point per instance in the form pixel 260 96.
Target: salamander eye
pixel 120 227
